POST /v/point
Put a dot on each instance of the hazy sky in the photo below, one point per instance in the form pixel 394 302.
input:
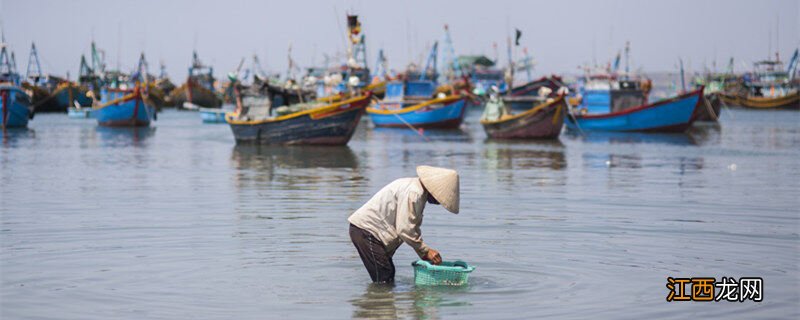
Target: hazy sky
pixel 561 35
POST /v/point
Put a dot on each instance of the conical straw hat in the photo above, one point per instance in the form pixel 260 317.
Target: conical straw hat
pixel 442 184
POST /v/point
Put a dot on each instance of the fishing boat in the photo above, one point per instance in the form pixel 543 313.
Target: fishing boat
pixel 715 84
pixel 199 87
pixel 769 86
pixel 669 115
pixel 540 121
pixel 124 108
pixel 414 102
pixel 439 113
pixel 17 108
pixel 165 85
pixel 51 93
pixel 14 101
pixel 311 124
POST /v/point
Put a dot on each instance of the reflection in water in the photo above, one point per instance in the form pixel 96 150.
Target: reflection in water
pixel 261 163
pixel 383 301
pixel 124 137
pixel 525 155
pixel 635 161
pixel 407 134
pixel 266 156
pixel 681 139
pixel 12 135
pixel 706 133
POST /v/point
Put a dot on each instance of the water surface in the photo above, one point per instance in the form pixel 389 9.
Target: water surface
pixel 176 222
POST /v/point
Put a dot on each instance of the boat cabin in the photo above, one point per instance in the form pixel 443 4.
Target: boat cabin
pixel 606 93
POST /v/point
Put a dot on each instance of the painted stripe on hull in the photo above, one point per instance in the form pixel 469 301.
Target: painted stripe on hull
pixel 445 117
pixel 544 124
pixel 125 114
pixel 334 129
pixel 673 115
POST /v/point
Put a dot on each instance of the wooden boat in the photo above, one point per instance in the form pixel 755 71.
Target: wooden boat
pixel 64 95
pixel 709 108
pixel 715 84
pixel 50 93
pixel 124 108
pixel 543 121
pixel 788 101
pixel 414 102
pixel 440 113
pixel 328 124
pixel 669 115
pixel 198 89
pixel 16 106
pixel 769 86
pixel 15 103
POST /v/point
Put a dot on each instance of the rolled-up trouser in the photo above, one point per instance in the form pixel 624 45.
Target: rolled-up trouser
pixel 373 254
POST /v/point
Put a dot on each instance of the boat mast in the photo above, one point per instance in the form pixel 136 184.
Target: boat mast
pixel 683 80
pixel 527 63
pixel 6 69
pixel 380 66
pixel 142 68
pixel 627 58
pixel 452 70
pixel 357 48
pixel 33 62
pixel 162 70
pixel 430 62
pixel 257 69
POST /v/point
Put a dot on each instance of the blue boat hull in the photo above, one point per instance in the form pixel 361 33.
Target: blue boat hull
pixel 213 116
pixel 15 107
pixel 132 112
pixel 445 116
pixel 82 113
pixel 672 115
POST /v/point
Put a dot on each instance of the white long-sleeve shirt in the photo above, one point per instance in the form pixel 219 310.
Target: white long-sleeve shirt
pixel 394 215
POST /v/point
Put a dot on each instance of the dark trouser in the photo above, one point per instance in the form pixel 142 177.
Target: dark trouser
pixel 373 253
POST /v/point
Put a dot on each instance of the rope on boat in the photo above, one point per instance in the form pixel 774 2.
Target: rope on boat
pixel 710 109
pixel 412 127
pixel 571 115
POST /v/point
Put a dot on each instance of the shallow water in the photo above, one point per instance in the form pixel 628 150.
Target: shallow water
pixel 176 222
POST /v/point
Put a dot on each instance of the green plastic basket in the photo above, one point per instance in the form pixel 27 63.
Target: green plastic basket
pixel 448 273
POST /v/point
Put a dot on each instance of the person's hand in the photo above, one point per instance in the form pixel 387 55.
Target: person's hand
pixel 433 256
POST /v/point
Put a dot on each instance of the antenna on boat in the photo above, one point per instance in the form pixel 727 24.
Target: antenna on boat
pixel 777 37
pixel 119 44
pixel 33 62
pixel 627 58
pixel 683 79
pixel 452 69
